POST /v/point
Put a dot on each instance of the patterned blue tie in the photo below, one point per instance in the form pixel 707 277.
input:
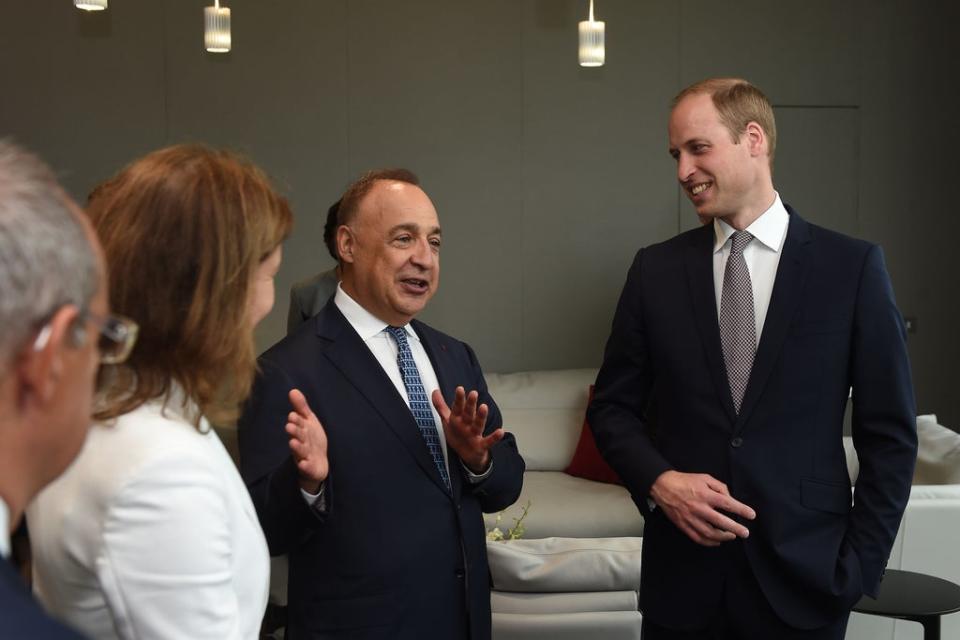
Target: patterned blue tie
pixel 419 403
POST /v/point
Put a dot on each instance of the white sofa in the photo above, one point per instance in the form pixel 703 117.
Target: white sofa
pixel 545 412
pixel 581 588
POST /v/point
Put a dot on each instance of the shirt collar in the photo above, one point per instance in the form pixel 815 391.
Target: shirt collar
pixel 770 228
pixel 363 322
pixel 4 531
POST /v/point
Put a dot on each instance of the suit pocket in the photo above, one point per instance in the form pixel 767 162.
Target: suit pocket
pixel 833 497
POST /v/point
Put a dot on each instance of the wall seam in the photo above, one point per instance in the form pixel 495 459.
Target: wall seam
pixel 346 91
pixel 166 76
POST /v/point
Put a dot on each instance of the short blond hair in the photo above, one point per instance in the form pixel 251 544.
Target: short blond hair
pixel 739 103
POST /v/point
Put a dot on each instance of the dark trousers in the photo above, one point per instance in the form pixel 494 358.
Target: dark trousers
pixel 746 614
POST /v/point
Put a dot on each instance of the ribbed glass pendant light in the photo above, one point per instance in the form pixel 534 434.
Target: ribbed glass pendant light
pixel 216 28
pixel 592 52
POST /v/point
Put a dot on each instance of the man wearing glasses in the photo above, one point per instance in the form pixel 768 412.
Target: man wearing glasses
pixel 56 329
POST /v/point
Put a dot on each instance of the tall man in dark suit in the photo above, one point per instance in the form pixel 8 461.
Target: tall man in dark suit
pixel 380 507
pixel 53 310
pixel 722 392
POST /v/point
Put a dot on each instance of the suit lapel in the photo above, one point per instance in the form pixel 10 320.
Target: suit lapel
pixel 699 262
pixel 784 302
pixel 348 353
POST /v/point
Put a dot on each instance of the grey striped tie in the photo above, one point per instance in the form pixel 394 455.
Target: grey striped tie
pixel 738 329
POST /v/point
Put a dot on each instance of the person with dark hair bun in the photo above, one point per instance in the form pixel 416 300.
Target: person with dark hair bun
pixel 308 296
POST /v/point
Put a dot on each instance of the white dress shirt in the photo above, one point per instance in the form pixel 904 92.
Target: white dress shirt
pixel 762 256
pixel 374 334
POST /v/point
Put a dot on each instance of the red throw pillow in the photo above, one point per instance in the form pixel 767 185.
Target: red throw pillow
pixel 587 462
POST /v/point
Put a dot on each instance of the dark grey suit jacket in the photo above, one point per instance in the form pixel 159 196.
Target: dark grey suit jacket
pixel 308 296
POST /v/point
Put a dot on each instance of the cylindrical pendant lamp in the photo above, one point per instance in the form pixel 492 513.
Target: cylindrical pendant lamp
pixel 592 51
pixel 216 28
pixel 90 5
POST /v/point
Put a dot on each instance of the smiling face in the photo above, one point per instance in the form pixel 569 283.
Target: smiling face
pixel 391 252
pixel 724 176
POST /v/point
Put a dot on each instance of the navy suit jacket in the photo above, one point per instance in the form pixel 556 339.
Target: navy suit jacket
pixel 395 555
pixel 662 401
pixel 20 615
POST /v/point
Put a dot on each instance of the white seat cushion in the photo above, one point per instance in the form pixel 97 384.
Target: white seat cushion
pixel 562 505
pixel 566 564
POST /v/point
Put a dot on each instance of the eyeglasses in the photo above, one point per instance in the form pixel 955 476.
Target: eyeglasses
pixel 117 335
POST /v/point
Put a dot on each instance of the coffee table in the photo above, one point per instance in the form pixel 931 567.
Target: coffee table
pixel 918 597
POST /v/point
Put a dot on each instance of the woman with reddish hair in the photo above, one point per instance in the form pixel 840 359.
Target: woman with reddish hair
pixel 151 532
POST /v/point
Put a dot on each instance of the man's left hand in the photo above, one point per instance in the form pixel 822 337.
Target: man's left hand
pixel 463 426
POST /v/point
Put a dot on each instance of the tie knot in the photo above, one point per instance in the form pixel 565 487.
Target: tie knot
pixel 739 241
pixel 399 334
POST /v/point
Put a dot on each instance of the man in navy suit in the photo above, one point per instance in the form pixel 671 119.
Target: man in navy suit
pixel 721 397
pixel 380 507
pixel 53 305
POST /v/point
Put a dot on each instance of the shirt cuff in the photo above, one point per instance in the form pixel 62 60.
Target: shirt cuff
pixel 316 501
pixel 473 478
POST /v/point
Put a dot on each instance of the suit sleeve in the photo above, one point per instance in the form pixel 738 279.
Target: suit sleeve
pixel 884 421
pixel 267 465
pixel 502 487
pixel 617 414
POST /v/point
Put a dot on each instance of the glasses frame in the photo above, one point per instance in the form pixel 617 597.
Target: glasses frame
pixel 121 332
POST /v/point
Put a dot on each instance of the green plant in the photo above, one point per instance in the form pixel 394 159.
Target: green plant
pixel 513 533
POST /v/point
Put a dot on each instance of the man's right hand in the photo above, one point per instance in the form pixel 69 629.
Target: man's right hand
pixel 308 444
pixel 694 502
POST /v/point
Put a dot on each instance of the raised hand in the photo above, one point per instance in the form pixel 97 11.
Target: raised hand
pixel 695 503
pixel 463 425
pixel 308 443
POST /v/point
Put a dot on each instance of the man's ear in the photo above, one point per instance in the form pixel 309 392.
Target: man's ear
pixel 756 139
pixel 41 363
pixel 346 243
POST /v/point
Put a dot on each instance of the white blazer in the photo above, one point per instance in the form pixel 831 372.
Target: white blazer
pixel 151 534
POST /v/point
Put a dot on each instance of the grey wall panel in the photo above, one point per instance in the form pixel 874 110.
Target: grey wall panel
pixel 547 176
pixel 910 134
pixel 816 164
pixel 436 87
pixel 279 97
pixel 85 91
pixel 803 52
pixel 598 182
